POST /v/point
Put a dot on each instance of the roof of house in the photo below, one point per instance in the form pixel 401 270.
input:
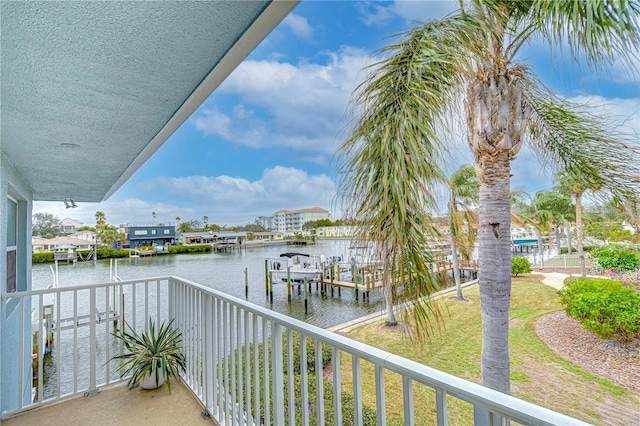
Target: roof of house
pixel 90 90
pixel 213 234
pixel 307 210
pixel 57 241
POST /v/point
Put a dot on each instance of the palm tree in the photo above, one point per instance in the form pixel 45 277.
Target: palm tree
pixel 577 186
pixel 205 219
pixel 463 188
pixel 537 215
pixel 153 215
pixel 394 149
pixel 101 219
pixel 108 235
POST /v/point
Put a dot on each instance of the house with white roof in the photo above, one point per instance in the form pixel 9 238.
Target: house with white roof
pixel 71 226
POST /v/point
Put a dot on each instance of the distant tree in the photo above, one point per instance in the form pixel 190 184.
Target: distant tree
pixel 153 215
pixel 178 220
pixel 108 235
pixel 87 228
pixel 205 219
pixel 538 215
pixel 464 189
pixel 101 219
pixel 560 208
pixel 313 224
pixel 46 225
pixel 254 227
pixel 577 184
pixel 189 226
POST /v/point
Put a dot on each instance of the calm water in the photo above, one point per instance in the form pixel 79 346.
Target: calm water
pixel 225 272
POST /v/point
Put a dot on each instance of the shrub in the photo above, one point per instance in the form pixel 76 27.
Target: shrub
pixel 603 307
pixel 181 249
pixel 110 253
pixel 520 265
pixel 574 249
pixel 615 258
pixel 43 257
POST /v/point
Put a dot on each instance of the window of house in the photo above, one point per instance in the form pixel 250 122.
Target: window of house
pixel 12 245
pixel 153 232
pixel 140 232
pixel 167 231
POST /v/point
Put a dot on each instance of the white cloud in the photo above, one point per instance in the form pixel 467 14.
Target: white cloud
pixel 299 25
pixel 131 210
pixel 299 107
pixel 237 200
pixel 412 11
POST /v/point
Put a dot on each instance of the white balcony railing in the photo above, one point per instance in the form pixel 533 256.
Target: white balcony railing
pixel 229 344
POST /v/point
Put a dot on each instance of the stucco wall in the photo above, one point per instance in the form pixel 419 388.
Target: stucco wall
pixel 12 185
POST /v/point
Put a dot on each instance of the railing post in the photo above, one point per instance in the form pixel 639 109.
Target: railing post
pixel 381 413
pixel 171 297
pixel 407 394
pixel 441 408
pixel 277 374
pixel 92 341
pixel 337 387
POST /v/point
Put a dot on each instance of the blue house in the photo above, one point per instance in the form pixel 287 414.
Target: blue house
pixel 150 235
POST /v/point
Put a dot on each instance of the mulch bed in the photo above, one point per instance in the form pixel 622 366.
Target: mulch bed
pixel 618 363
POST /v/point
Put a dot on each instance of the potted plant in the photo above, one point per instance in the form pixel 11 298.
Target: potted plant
pixel 152 357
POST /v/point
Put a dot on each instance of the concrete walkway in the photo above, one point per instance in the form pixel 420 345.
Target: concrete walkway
pixel 553 279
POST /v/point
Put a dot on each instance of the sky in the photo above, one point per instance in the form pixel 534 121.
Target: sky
pixel 266 139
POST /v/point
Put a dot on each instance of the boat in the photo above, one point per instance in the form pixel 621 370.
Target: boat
pixel 360 257
pixel 298 267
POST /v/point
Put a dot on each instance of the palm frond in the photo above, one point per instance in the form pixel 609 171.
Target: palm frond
pixel 584 145
pixel 394 154
pixel 599 30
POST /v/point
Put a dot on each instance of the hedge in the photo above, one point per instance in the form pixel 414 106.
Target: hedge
pixel 181 249
pixel 604 307
pixel 615 258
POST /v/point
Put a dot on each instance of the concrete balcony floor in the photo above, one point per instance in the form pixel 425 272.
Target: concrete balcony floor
pixel 115 405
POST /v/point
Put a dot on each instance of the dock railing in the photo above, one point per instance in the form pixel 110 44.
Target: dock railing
pixel 246 363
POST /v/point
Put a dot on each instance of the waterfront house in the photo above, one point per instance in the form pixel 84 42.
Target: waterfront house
pixel 71 226
pixel 214 238
pixel 139 235
pixel 90 90
pixel 52 244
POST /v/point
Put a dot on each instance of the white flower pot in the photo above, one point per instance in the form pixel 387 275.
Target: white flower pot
pixel 149 380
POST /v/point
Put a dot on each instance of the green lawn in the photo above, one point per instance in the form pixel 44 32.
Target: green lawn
pixel 537 374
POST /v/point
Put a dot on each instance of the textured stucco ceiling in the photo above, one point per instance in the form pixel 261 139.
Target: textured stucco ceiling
pixel 89 90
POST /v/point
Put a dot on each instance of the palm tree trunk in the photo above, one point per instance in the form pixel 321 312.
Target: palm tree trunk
pixel 456 268
pixel 556 227
pixel 388 290
pixel 540 246
pixel 494 276
pixel 569 235
pixel 388 300
pixel 583 266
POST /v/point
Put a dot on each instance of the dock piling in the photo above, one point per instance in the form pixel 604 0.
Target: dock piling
pixel 246 283
pixel 289 283
pixel 270 288
pixel 266 276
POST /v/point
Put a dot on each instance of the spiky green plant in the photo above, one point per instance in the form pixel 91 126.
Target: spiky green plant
pixel 152 352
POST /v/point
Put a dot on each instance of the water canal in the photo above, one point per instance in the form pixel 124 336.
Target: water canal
pixel 225 272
